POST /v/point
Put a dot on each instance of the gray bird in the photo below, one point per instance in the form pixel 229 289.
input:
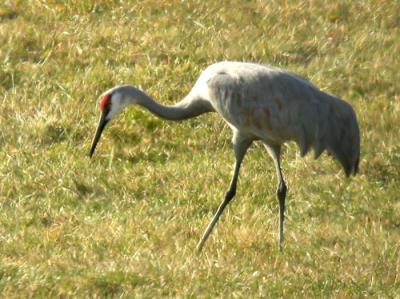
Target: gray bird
pixel 258 103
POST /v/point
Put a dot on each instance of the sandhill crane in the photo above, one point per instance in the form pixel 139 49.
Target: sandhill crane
pixel 258 103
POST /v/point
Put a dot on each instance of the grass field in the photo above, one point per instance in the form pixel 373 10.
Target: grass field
pixel 127 222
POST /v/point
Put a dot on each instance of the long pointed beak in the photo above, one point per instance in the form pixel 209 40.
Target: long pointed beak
pixel 100 127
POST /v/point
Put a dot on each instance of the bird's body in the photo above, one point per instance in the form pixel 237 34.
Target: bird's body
pixel 258 103
pixel 275 106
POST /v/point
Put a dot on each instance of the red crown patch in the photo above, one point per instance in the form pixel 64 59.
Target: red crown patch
pixel 104 101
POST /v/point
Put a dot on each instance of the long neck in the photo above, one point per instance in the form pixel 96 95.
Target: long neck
pixel 189 107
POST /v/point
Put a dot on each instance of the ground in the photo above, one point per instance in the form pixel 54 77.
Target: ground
pixel 127 222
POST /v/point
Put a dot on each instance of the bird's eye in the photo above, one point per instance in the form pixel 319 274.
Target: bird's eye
pixel 105 101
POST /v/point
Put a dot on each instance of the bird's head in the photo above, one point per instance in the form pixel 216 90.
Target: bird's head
pixel 112 102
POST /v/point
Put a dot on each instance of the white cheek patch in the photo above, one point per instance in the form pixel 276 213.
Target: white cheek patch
pixel 116 105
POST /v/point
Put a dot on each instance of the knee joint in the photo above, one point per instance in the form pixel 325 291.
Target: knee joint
pixel 281 191
pixel 230 194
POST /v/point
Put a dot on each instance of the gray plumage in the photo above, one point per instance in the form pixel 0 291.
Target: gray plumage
pixel 258 103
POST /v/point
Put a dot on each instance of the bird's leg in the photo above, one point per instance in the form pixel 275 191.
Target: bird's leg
pixel 281 193
pixel 240 146
pixel 274 152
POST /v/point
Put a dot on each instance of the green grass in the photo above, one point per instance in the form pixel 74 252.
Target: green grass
pixel 127 222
